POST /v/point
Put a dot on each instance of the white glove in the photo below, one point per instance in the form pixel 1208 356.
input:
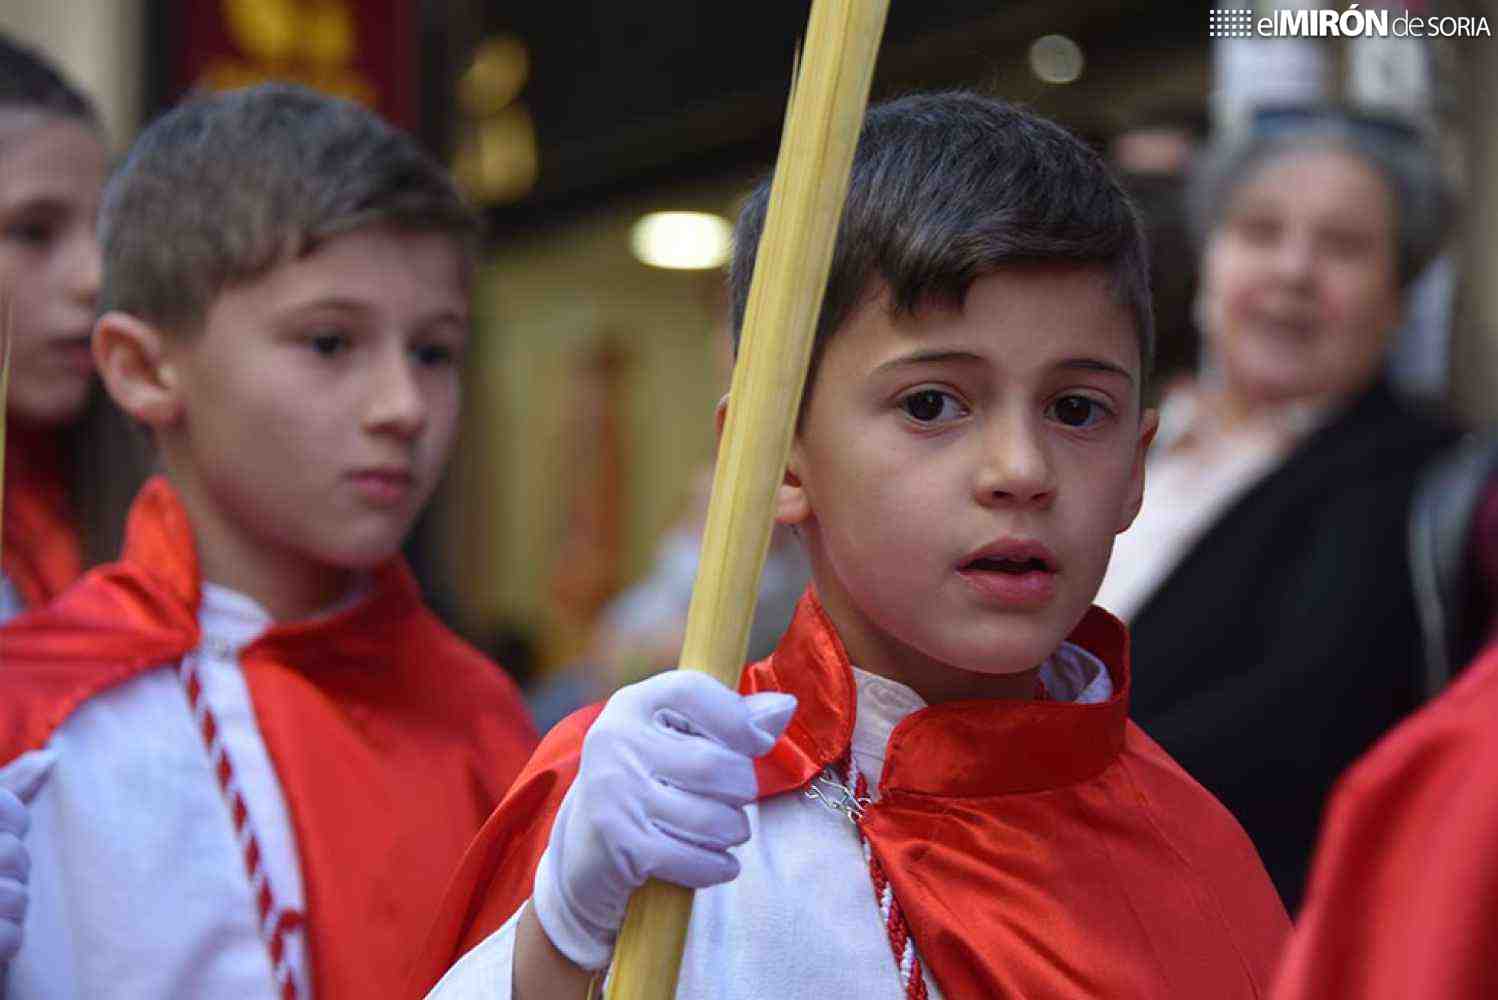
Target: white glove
pixel 15 868
pixel 665 774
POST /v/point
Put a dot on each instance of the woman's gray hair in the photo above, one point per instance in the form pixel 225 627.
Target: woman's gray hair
pixel 1422 200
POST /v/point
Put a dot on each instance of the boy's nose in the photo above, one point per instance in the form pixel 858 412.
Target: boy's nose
pixel 1014 468
pixel 396 403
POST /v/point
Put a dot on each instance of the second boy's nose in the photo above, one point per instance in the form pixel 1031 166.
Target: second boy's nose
pixel 396 403
pixel 1014 466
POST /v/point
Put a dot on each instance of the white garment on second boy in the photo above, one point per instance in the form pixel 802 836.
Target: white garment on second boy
pixel 138 883
pixel 802 919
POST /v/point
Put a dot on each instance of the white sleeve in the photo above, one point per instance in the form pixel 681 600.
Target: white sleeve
pixel 486 972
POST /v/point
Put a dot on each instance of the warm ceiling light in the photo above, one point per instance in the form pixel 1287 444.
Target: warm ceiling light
pixel 690 241
pixel 1056 59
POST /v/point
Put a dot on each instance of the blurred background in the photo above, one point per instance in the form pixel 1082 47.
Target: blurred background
pixel 608 144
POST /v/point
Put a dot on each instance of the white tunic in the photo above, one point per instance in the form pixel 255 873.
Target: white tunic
pixel 801 915
pixel 138 885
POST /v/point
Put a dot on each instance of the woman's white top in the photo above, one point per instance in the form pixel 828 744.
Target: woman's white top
pixel 1197 468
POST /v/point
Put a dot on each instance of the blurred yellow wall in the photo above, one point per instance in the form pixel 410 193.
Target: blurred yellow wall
pixel 540 303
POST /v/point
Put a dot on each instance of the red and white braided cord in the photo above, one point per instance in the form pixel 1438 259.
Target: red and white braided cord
pixel 901 944
pixel 275 922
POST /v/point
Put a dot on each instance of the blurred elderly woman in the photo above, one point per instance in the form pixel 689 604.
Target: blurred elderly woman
pixel 1266 581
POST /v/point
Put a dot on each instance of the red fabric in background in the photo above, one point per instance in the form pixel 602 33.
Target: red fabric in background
pixel 1403 898
pixel 364 50
pixel 391 738
pixel 1040 849
pixel 42 549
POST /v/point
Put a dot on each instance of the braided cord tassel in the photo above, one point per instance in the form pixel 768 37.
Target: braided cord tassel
pixel 274 922
pixel 901 944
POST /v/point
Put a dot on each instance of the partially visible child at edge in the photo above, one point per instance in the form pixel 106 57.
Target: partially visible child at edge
pixel 252 756
pixel 932 786
pixel 52 167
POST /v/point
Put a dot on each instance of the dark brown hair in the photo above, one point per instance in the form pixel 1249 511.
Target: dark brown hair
pixel 948 187
pixel 224 187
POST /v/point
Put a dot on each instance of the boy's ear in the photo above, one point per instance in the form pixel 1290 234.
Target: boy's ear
pixel 791 506
pixel 131 357
pixel 1149 423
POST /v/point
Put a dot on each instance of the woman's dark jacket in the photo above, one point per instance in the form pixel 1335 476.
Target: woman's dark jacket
pixel 1287 640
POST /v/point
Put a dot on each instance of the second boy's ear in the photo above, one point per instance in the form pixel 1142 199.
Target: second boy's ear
pixel 131 357
pixel 791 506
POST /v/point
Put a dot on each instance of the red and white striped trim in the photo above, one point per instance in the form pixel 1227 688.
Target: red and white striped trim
pixel 275 922
pixel 901 944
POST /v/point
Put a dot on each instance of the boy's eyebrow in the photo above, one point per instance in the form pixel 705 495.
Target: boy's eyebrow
pixel 930 357
pixel 1096 365
pixel 938 357
pixel 357 305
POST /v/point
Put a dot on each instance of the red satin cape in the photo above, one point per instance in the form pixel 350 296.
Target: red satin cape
pixel 392 738
pixel 1040 849
pixel 42 549
pixel 1403 897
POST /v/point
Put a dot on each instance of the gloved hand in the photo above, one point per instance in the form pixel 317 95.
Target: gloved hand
pixel 15 869
pixel 666 771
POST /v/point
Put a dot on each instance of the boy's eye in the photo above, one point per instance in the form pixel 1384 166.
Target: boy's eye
pixel 929 406
pixel 32 232
pixel 328 344
pixel 433 355
pixel 1078 411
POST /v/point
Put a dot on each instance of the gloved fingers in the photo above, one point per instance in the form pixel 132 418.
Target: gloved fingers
pixel 15 861
pixel 13 818
pixel 705 768
pixel 693 819
pixel 694 867
pixel 12 900
pixel 690 703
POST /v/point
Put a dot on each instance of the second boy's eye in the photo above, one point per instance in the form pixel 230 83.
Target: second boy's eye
pixel 433 355
pixel 930 406
pixel 329 343
pixel 1078 411
pixel 31 232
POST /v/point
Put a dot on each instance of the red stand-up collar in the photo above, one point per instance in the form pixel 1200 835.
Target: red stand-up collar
pixel 142 611
pixel 959 749
pixel 159 544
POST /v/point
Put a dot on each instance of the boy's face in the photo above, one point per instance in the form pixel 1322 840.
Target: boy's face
pixel 51 175
pixel 319 402
pixel 959 476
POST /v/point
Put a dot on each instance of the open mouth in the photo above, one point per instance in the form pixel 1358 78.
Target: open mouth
pixel 1017 567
